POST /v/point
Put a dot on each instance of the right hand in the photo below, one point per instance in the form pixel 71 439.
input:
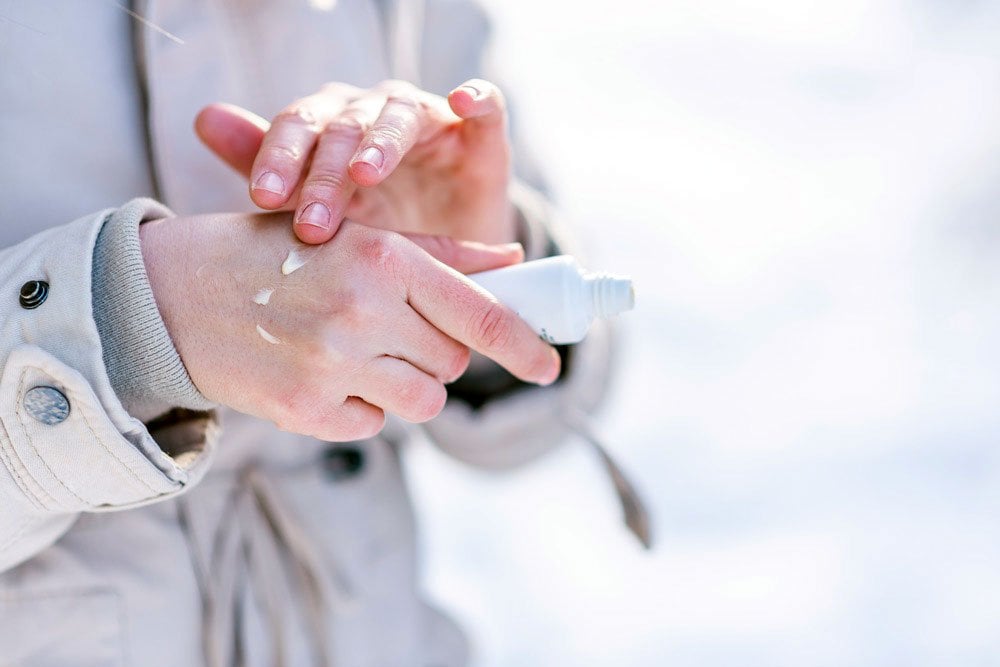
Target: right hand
pixel 374 321
pixel 391 156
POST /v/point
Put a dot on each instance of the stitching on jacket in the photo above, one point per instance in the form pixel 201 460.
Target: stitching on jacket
pixel 132 472
pixel 8 463
pixel 20 418
pixel 14 463
pixel 93 432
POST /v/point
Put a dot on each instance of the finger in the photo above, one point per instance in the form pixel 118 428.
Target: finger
pixel 398 387
pixel 395 131
pixel 232 133
pixel 472 316
pixel 483 110
pixel 468 256
pixel 424 346
pixel 286 149
pixel 340 421
pixel 327 191
pixel 482 105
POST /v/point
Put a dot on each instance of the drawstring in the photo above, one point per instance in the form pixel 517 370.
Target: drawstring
pixel 635 514
pixel 260 549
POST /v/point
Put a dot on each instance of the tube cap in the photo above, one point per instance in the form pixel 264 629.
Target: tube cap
pixel 612 295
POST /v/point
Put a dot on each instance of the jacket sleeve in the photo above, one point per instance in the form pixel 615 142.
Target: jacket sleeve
pixel 67 444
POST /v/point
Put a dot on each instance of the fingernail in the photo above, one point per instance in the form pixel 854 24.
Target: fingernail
pixel 513 247
pixel 316 214
pixel 474 92
pixel 372 155
pixel 270 182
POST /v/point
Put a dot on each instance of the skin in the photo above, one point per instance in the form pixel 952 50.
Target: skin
pixel 392 156
pixel 374 322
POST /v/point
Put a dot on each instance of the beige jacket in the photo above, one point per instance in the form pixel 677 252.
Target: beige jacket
pixel 174 541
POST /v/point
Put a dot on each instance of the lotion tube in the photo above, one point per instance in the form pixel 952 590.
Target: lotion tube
pixel 556 297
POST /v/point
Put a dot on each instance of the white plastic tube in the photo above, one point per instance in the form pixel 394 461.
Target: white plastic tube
pixel 557 297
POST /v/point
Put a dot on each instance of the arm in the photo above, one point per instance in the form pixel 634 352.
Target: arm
pixel 398 157
pixel 79 449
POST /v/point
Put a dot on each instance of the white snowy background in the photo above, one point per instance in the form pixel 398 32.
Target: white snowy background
pixel 807 195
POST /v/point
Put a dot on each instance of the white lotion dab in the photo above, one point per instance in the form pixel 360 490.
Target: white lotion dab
pixel 293 262
pixel 263 297
pixel 273 340
pixel 557 297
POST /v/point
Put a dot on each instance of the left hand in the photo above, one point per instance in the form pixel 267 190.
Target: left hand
pixel 392 156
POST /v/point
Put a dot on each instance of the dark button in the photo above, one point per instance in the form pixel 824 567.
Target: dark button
pixel 47 405
pixel 33 293
pixel 343 462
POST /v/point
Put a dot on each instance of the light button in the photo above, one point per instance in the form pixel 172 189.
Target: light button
pixel 47 405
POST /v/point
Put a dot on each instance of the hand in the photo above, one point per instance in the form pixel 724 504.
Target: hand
pixel 392 156
pixel 372 321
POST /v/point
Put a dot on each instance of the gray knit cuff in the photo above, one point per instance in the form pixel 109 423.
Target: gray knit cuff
pixel 142 364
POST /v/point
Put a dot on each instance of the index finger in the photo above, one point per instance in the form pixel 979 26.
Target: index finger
pixel 472 316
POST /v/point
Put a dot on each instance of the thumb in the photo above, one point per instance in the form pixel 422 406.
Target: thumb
pixel 481 106
pixel 232 133
pixel 468 256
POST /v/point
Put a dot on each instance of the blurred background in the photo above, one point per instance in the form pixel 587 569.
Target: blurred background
pixel 807 195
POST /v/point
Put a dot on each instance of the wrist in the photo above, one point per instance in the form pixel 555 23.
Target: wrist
pixel 141 361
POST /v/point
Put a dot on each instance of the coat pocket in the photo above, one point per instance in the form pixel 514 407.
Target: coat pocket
pixel 80 628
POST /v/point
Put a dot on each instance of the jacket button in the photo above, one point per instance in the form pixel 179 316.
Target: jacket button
pixel 33 293
pixel 343 462
pixel 47 405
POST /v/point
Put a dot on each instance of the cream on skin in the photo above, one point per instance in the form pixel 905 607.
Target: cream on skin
pixel 296 260
pixel 263 297
pixel 273 340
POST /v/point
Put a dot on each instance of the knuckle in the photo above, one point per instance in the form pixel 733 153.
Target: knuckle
pixel 282 154
pixel 492 328
pixel 299 114
pixel 405 99
pixel 375 249
pixel 323 183
pixel 347 305
pixel 348 125
pixel 382 251
pixel 388 137
pixel 314 351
